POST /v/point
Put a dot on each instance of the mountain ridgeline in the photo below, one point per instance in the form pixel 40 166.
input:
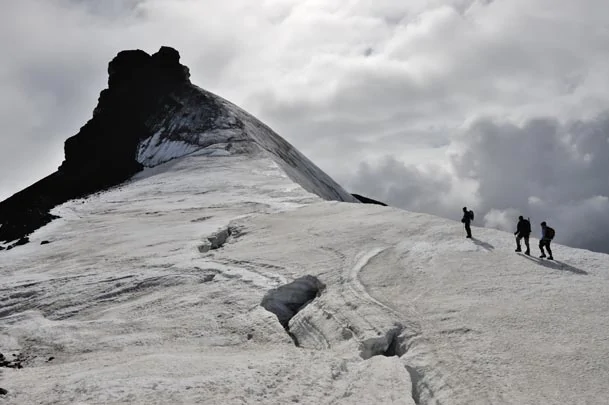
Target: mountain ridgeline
pixel 149 114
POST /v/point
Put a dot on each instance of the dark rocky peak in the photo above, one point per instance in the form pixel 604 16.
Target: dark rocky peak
pixel 137 66
pixel 139 86
pixel 103 153
pixel 149 114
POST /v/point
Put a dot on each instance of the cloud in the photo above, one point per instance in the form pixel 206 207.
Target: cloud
pixel 542 169
pixel 406 186
pixel 496 104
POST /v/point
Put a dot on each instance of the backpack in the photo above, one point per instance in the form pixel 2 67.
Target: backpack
pixel 549 233
pixel 471 214
pixel 527 225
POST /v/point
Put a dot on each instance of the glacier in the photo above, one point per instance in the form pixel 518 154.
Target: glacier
pixel 122 305
pixel 218 265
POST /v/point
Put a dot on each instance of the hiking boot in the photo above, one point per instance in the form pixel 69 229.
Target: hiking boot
pixel 527 253
pixel 550 258
pixel 518 250
pixel 542 256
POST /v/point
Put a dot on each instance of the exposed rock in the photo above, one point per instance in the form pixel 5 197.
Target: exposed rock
pixel 22 241
pixel 15 363
pixel 137 66
pixel 45 242
pixel 3 391
pixel 103 153
pixel 367 200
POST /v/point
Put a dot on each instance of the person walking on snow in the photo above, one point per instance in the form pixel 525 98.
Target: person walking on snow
pixel 547 234
pixel 523 230
pixel 468 217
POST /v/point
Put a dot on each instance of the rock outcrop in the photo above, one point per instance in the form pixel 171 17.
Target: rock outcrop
pixel 367 200
pixel 103 153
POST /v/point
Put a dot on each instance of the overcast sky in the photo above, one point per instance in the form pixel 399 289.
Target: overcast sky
pixel 428 105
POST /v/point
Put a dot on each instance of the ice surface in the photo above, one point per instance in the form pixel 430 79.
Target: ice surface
pixel 234 131
pixel 132 310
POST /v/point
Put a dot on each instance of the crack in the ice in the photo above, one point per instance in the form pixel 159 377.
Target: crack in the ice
pixel 393 343
pixel 415 379
pixel 397 341
pixel 289 299
pixel 219 238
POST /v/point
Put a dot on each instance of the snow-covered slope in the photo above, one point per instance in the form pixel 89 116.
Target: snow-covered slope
pixel 185 128
pixel 155 292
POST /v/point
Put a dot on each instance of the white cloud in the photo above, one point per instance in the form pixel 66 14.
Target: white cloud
pixel 501 219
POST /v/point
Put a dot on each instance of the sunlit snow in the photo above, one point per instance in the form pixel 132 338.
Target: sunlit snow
pixel 151 292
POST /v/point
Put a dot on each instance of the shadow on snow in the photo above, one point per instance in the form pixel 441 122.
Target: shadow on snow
pixel 484 245
pixel 556 265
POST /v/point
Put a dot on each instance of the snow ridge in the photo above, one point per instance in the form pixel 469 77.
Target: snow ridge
pixel 186 130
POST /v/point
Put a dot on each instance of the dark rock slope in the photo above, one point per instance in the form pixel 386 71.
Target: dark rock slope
pixel 367 200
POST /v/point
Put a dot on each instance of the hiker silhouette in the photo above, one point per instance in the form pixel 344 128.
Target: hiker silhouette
pixel 468 217
pixel 523 231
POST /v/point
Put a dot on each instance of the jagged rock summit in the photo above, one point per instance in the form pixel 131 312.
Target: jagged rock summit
pixel 140 86
pixel 149 114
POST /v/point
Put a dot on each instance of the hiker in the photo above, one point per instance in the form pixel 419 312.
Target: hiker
pixel 523 230
pixel 547 234
pixel 468 217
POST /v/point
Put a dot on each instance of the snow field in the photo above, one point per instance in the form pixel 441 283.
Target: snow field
pixel 133 310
